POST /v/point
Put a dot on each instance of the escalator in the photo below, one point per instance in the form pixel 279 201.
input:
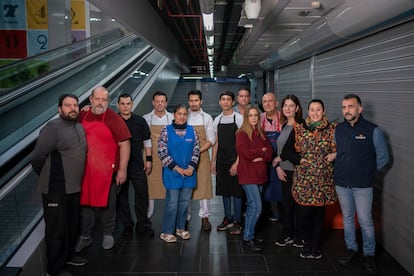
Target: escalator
pixel 121 62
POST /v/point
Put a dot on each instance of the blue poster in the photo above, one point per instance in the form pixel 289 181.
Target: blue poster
pixel 12 15
pixel 37 42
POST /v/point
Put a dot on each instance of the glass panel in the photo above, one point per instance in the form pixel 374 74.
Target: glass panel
pixel 20 210
pixel 25 114
pixel 22 72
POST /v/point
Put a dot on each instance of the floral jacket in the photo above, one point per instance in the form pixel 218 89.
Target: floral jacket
pixel 313 180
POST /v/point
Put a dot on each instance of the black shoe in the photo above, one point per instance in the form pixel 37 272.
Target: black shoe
pixel 76 260
pixel 305 252
pixel 282 242
pixel 252 245
pixel 316 255
pixel 145 231
pixel 205 224
pixel 298 244
pixel 258 239
pixel 236 229
pixel 370 265
pixel 225 224
pixel 127 231
pixel 348 258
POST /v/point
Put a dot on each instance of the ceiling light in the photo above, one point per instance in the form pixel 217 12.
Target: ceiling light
pixel 316 5
pixel 210 51
pixel 208 21
pixel 192 77
pixel 252 8
pixel 210 41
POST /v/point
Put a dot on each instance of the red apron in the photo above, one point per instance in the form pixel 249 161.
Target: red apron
pixel 100 163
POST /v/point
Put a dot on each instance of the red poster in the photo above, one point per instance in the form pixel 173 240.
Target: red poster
pixel 13 44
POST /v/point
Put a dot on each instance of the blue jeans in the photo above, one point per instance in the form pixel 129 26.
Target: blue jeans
pixel 237 203
pixel 175 209
pixel 359 200
pixel 253 211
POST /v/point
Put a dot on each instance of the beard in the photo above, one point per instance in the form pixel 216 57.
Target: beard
pixel 349 117
pixel 70 116
pixel 98 110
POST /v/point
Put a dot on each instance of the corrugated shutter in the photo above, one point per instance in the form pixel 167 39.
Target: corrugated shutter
pixel 380 69
pixel 296 79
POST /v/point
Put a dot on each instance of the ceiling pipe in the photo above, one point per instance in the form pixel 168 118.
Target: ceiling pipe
pixel 352 20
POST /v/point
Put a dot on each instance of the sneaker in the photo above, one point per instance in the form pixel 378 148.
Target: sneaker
pixel 84 241
pixel 184 234
pixel 108 242
pixel 127 231
pixel 316 255
pixel 77 261
pixel 348 258
pixel 370 265
pixel 251 245
pixel 224 225
pixel 168 237
pixel 236 229
pixel 305 253
pixel 258 239
pixel 298 244
pixel 205 224
pixel 284 241
pixel 273 219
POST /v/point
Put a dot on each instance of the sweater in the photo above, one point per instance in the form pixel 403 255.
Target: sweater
pixel 250 172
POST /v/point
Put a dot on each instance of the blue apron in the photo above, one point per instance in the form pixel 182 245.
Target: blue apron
pixel 181 151
pixel 272 191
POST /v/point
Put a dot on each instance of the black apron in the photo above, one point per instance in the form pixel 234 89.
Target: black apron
pixel 227 185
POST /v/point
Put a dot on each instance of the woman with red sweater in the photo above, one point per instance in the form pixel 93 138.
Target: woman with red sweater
pixel 254 151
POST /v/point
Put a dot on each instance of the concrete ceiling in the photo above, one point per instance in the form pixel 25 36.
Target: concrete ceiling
pixel 239 49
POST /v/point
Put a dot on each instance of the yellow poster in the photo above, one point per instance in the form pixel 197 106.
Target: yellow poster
pixel 36 14
pixel 78 14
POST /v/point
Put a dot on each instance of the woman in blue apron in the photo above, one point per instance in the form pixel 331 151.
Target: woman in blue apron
pixel 179 152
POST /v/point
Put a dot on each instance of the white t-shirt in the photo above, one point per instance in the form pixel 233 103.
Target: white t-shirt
pixel 154 120
pixel 203 118
pixel 228 119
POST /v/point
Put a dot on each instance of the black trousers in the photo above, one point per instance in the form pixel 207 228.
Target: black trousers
pixel 61 215
pixel 140 185
pixel 289 207
pixel 311 219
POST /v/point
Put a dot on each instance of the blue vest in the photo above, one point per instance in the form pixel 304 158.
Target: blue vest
pixel 355 163
pixel 181 150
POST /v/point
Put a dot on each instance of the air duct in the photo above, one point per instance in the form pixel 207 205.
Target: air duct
pixel 352 20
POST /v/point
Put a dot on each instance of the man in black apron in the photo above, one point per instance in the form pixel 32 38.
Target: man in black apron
pixel 224 163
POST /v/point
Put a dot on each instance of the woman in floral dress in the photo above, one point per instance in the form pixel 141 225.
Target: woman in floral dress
pixel 313 188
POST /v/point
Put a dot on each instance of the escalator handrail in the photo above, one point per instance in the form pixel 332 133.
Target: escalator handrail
pixel 23 90
pixel 58 49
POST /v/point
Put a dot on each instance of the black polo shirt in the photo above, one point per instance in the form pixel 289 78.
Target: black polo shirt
pixel 140 132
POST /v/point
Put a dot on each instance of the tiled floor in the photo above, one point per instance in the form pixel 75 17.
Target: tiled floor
pixel 219 253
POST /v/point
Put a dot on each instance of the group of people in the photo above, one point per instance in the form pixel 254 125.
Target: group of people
pixel 271 161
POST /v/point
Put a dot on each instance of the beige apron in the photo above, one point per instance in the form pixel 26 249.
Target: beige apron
pixel 204 188
pixel 156 189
